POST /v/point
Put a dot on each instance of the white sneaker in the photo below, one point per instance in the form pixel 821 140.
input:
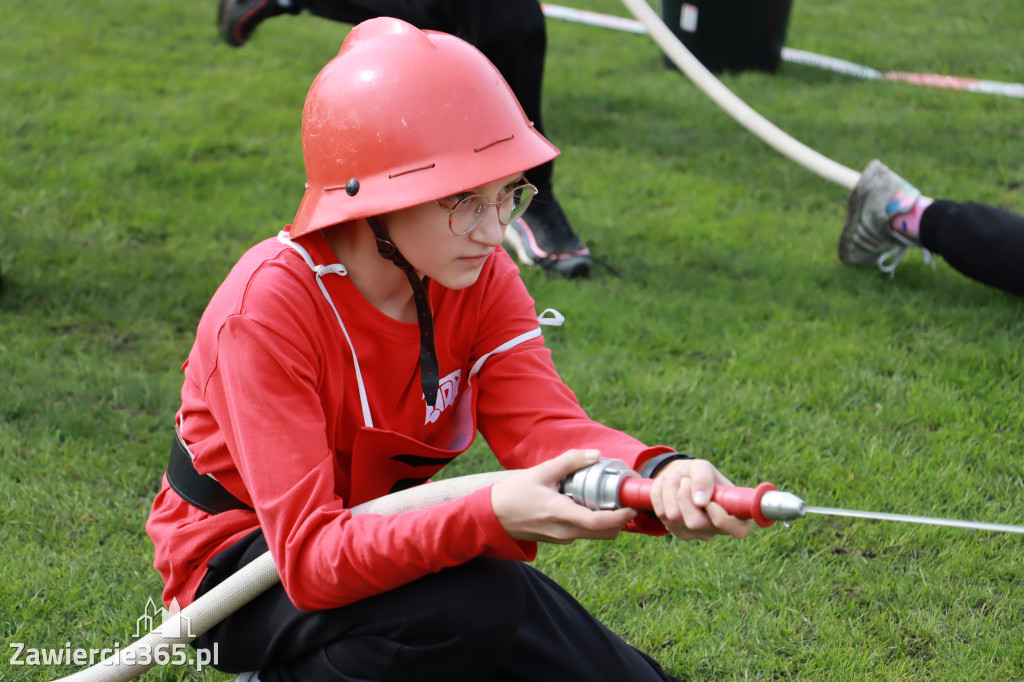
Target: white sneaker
pixel 867 238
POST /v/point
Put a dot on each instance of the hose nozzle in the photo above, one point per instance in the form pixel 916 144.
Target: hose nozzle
pixel 779 506
pixel 611 484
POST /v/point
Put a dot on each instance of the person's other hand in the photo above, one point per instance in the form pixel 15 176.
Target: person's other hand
pixel 530 506
pixel 681 497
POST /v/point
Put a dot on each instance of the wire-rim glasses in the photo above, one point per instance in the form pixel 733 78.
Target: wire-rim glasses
pixel 469 211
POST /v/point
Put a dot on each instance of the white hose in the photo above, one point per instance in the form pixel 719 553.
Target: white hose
pixel 254 579
pixel 734 106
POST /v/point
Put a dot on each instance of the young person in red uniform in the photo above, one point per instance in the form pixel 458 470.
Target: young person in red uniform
pixel 355 355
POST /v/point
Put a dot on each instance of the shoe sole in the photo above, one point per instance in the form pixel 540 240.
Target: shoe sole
pixel 571 266
pixel 568 265
pixel 231 34
pixel 847 246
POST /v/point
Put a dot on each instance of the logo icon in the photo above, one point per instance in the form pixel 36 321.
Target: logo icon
pixel 172 623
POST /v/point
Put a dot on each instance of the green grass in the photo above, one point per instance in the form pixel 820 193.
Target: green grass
pixel 139 157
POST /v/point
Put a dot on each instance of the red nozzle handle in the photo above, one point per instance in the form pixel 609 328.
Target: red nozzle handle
pixel 741 502
pixel 636 493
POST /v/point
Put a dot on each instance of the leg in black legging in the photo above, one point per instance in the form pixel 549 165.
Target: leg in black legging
pixel 980 241
pixel 487 619
pixel 562 641
pixel 458 624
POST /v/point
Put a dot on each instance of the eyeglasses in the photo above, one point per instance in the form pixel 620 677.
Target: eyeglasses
pixel 469 211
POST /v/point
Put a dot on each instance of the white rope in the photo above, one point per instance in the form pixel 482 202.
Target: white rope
pixel 733 105
pixel 254 579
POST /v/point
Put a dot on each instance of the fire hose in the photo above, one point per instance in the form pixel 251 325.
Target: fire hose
pixel 253 580
pixel 597 487
pixel 606 485
pixel 734 106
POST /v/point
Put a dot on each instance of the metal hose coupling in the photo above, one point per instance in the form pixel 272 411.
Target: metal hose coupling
pixel 597 486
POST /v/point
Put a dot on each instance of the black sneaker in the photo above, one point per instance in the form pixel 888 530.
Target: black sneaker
pixel 544 237
pixel 237 19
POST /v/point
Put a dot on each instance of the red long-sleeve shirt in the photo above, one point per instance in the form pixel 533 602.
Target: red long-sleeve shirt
pixel 271 408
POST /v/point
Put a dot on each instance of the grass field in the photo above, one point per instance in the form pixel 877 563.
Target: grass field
pixel 140 156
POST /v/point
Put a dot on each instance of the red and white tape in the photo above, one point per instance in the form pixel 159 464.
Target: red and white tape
pixel 932 80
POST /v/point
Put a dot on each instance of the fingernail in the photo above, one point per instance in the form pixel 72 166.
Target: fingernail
pixel 700 498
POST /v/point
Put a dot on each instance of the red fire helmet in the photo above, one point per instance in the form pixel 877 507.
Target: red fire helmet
pixel 402 117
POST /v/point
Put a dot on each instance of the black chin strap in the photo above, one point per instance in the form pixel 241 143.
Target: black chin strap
pixel 428 355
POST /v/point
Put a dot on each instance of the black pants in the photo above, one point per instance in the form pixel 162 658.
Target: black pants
pixel 982 242
pixel 510 33
pixel 487 619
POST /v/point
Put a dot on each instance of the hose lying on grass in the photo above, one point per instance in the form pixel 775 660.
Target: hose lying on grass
pixel 253 580
pixel 734 106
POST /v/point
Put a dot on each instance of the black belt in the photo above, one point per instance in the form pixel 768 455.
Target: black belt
pixel 203 492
